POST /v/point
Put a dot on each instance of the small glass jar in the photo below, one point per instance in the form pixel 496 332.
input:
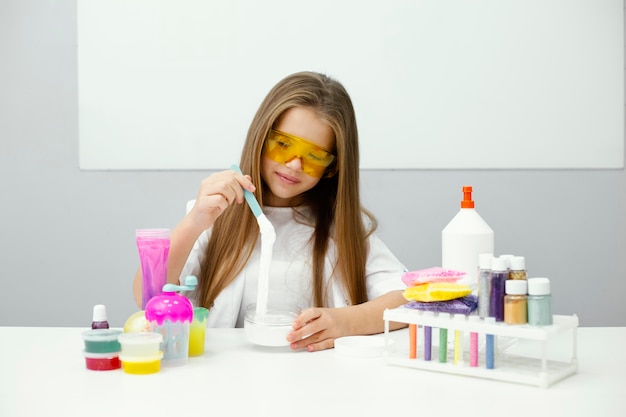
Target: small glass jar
pixel 484 283
pixel 539 302
pixel 515 302
pixel 518 268
pixel 499 275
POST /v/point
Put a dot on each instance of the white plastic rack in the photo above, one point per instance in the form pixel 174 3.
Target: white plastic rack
pixel 531 368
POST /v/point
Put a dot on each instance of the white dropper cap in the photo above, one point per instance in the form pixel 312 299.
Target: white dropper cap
pixel 515 286
pixel 518 263
pixel 99 312
pixel 538 286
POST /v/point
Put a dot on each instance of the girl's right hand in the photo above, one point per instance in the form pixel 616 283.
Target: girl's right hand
pixel 217 192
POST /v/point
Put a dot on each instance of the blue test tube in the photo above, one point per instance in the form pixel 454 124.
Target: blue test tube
pixel 490 347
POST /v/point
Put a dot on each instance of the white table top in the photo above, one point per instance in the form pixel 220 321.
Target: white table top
pixel 42 372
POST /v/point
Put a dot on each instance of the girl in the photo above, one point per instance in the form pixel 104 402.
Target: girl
pixel 302 156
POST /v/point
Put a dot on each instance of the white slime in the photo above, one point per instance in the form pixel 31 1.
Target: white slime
pixel 268 237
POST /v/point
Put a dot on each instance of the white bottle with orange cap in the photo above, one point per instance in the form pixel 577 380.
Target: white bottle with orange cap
pixel 464 239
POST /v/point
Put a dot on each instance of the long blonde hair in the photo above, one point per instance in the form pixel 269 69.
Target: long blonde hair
pixel 335 201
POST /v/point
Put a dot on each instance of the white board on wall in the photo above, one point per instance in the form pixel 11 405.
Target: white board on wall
pixel 436 84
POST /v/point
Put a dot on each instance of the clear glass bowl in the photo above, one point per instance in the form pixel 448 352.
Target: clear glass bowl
pixel 271 328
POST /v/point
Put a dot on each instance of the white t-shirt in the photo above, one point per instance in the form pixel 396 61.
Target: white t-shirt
pixel 290 272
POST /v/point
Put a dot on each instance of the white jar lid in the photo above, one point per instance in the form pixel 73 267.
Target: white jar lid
pixel 362 346
pixel 538 286
pixel 515 286
pixel 518 263
pixel 499 264
pixel 507 259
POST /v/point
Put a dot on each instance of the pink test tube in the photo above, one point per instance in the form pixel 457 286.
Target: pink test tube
pixel 473 349
pixel 474 342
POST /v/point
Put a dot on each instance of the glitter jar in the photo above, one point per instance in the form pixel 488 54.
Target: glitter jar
pixel 539 302
pixel 484 283
pixel 517 268
pixel 515 302
pixel 499 275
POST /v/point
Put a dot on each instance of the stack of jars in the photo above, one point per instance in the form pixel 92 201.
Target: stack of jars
pixel 506 294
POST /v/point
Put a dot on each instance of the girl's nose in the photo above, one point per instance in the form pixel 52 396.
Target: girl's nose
pixel 295 163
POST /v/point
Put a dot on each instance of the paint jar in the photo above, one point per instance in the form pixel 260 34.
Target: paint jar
pixel 170 314
pixel 140 344
pixel 140 352
pixel 499 275
pixel 515 302
pixel 465 237
pixel 102 361
pixel 517 267
pixel 153 246
pixel 197 331
pixel 539 302
pixel 271 328
pixel 101 349
pixel 484 283
pixel 101 340
pixel 142 365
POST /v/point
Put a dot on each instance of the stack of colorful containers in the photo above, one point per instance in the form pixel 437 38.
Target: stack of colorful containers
pixel 437 289
pixel 102 349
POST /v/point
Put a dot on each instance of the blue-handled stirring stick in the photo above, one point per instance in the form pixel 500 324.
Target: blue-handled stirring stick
pixel 250 198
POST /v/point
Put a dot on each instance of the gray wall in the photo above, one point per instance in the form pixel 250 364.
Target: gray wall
pixel 67 237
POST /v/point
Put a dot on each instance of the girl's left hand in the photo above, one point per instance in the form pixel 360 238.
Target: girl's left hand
pixel 317 328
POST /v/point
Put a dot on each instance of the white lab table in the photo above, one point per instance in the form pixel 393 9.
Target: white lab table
pixel 42 372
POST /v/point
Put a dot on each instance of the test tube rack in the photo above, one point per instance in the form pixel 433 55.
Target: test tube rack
pixel 530 369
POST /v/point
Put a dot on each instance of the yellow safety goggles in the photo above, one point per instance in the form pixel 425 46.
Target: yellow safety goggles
pixel 282 148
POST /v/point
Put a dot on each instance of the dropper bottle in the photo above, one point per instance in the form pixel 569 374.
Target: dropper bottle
pixel 464 239
pixel 99 320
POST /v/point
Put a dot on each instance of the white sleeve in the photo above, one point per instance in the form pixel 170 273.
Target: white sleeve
pixel 383 270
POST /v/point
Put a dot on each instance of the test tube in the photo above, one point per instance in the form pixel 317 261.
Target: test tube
pixel 427 342
pixel 458 342
pixel 489 348
pixel 474 344
pixel 458 348
pixel 443 345
pixel 412 341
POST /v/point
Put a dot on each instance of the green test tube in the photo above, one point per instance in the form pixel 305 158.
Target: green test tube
pixel 443 345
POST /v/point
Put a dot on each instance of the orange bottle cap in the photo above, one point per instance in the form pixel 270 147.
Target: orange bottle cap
pixel 467 198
